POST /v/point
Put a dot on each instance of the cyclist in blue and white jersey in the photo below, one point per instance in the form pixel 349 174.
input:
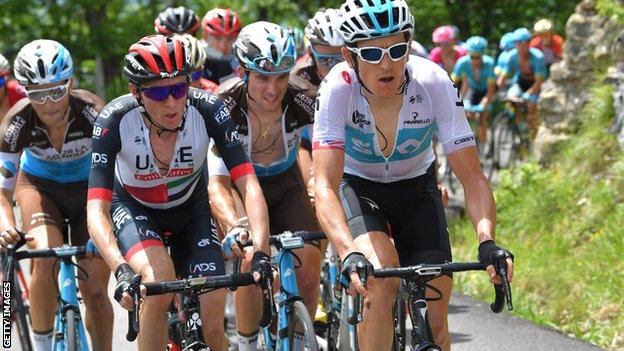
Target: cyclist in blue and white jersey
pixel 527 69
pixel 507 43
pixel 147 178
pixel 374 163
pixel 52 131
pixel 270 115
pixel 323 54
pixel 478 81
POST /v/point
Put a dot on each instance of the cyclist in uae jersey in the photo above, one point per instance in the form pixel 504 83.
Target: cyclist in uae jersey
pixel 52 131
pixel 149 154
pixel 270 115
pixel 476 75
pixel 376 115
pixel 527 69
pixel 323 54
pixel 10 91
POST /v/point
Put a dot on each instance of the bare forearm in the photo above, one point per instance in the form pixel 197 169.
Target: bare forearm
pixel 258 215
pixel 100 229
pixel 481 207
pixel 222 204
pixel 7 219
pixel 305 163
pixel 331 216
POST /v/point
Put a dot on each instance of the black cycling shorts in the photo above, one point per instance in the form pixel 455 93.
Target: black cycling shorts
pixel 195 246
pixel 288 202
pixel 477 96
pixel 409 210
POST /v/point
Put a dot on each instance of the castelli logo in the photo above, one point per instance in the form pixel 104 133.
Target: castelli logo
pixel 346 77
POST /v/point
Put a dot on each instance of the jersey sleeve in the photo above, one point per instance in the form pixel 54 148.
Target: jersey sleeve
pixel 331 108
pixel 510 63
pixel 106 143
pixel 222 130
pixel 14 136
pixel 216 166
pixel 451 121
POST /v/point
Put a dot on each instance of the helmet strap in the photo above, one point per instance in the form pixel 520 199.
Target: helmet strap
pixel 160 129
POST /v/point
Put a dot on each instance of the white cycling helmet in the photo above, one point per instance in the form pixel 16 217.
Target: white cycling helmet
pixel 370 19
pixel 42 61
pixel 322 29
pixel 266 48
pixel 198 52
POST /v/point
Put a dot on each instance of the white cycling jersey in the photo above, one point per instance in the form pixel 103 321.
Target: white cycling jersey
pixel 343 120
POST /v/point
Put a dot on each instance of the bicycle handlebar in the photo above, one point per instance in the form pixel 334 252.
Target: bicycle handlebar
pixel 184 285
pixel 200 283
pixel 275 240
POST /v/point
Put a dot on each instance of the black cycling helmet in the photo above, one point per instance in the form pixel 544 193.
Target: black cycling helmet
pixel 178 20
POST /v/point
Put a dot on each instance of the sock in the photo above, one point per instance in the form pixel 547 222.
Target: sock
pixel 299 342
pixel 248 343
pixel 43 341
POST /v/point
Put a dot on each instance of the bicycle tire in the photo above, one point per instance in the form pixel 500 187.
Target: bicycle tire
pixel 22 317
pixel 299 312
pixel 345 342
pixel 398 344
pixel 504 135
pixel 70 330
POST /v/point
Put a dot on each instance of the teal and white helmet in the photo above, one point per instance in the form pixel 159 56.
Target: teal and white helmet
pixel 368 19
pixel 43 61
pixel 322 29
pixel 266 48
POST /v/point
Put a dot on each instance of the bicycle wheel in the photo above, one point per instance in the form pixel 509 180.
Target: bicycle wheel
pixel 70 330
pixel 400 335
pixel 503 142
pixel 21 316
pixel 299 321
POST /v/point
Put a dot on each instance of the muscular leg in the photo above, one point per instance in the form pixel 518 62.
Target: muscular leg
pixel 308 276
pixel 212 312
pixel 98 311
pixel 154 264
pixel 438 311
pixel 376 330
pixel 43 304
pixel 248 302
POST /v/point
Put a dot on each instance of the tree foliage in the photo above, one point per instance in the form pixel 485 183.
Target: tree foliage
pixel 106 28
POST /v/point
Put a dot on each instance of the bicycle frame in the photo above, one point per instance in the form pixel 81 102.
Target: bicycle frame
pixel 289 291
pixel 417 305
pixel 68 299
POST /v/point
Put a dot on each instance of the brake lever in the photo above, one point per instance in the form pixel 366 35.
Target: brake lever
pixel 501 270
pixel 133 316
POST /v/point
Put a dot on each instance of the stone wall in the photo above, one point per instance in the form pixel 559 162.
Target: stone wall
pixel 588 38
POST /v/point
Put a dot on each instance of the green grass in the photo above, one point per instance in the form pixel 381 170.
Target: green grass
pixel 565 224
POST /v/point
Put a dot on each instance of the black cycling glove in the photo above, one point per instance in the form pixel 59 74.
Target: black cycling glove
pixel 259 263
pixel 124 275
pixel 489 252
pixel 355 262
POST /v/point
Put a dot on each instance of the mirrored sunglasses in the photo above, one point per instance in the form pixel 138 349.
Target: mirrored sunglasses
pixel 374 54
pixel 161 93
pixel 327 60
pixel 55 94
pixel 266 65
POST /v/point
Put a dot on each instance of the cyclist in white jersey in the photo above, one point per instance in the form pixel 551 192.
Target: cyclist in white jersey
pixel 376 115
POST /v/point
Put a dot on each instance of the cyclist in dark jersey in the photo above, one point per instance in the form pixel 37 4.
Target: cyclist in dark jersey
pixel 149 155
pixel 176 20
pixel 270 115
pixel 52 131
pixel 10 91
pixel 220 29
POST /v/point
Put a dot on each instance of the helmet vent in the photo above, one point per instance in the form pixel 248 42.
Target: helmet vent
pixel 41 68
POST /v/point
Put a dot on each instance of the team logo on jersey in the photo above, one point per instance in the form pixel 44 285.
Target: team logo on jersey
pixel 359 119
pixel 416 120
pixel 347 77
pixel 99 131
pixel 13 131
